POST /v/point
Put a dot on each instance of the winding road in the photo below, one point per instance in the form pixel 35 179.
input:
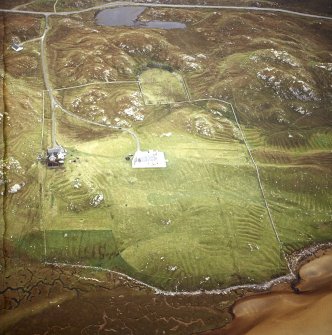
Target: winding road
pixel 129 3
pixel 55 103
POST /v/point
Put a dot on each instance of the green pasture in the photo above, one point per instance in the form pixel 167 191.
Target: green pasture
pixel 199 223
pixel 160 86
pixel 297 183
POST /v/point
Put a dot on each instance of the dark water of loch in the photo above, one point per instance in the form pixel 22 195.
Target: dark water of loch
pixel 127 16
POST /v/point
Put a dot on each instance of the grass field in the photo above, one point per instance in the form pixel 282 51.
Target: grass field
pixel 160 86
pixel 199 223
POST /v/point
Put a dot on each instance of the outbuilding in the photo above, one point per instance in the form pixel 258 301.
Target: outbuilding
pixel 149 159
pixel 17 47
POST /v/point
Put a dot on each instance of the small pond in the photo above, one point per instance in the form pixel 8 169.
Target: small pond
pixel 128 17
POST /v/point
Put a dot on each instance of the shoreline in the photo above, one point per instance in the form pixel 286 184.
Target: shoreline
pixel 295 260
pixel 301 306
pixel 98 287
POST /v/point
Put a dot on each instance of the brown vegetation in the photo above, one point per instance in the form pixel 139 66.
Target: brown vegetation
pixel 22 27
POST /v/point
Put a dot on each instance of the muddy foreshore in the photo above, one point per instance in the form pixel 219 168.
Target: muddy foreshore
pixel 72 300
pixel 301 306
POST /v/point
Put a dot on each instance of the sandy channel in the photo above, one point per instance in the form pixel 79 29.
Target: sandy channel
pixel 283 311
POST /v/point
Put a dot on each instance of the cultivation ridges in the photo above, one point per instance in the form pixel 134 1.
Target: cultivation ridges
pixel 220 209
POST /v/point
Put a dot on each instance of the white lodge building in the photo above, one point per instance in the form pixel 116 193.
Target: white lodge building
pixel 149 159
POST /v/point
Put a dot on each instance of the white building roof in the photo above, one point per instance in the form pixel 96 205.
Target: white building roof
pixel 17 47
pixel 57 150
pixel 149 159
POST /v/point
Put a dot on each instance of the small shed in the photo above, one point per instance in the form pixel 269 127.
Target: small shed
pixel 17 47
pixel 56 156
pixel 149 159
